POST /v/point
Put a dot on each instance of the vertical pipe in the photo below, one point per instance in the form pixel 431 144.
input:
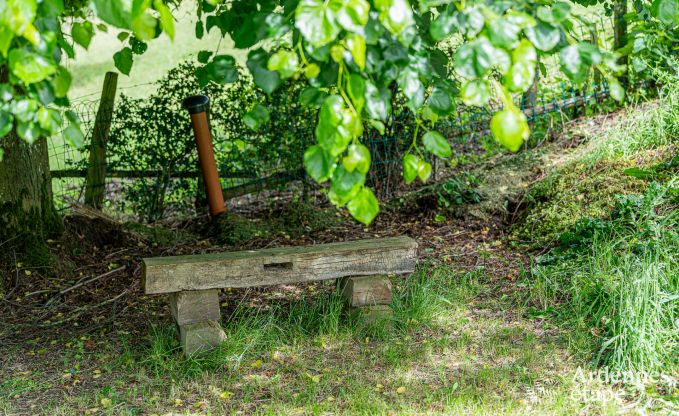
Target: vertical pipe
pixel 197 106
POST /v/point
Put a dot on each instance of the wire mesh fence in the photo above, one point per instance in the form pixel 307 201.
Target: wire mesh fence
pixel 150 160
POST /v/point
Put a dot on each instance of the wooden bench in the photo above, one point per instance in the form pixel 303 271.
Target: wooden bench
pixel 193 282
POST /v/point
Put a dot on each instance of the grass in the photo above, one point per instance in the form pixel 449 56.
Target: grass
pixel 453 346
pixel 89 66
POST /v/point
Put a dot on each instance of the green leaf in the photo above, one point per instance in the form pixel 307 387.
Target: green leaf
pixel 204 56
pixel 318 163
pixel 74 136
pixel 357 158
pixel 378 101
pixel 82 33
pixel 6 123
pixel 334 131
pixel 49 120
pixel 395 15
pixel 144 26
pixel 411 164
pixel 364 206
pixel 412 87
pixel 356 91
pixel 28 131
pixel 312 97
pixel 667 11
pixel 510 128
pixel 437 144
pixel 352 15
pixel 441 98
pixel 267 80
pixel 520 77
pixel 445 24
pixel 476 92
pixel 356 45
pixel 284 62
pixel 114 12
pixel 504 33
pixel 544 36
pixel 475 59
pixel 61 82
pixel 256 117
pixel 30 67
pixel 18 15
pixel 6 37
pixel 166 18
pixel 123 60
pixel 311 71
pixel 616 90
pixel 424 171
pixel 316 22
pixel 345 185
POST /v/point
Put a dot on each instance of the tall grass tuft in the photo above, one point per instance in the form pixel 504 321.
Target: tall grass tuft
pixel 618 279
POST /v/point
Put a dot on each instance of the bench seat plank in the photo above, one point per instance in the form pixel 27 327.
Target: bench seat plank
pixel 276 266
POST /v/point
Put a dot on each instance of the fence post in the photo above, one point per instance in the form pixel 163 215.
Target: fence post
pixel 96 166
pixel 620 33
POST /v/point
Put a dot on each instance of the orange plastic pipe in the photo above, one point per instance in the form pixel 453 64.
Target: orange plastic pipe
pixel 197 106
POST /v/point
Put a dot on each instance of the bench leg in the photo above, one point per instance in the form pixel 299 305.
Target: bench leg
pixel 371 295
pixel 197 315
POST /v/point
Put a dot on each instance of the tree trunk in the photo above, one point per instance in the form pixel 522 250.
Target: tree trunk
pixel 27 213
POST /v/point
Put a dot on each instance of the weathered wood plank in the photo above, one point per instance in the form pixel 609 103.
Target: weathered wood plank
pixel 200 336
pixel 279 265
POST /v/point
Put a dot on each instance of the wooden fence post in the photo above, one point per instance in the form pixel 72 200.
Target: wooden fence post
pixel 620 33
pixel 96 167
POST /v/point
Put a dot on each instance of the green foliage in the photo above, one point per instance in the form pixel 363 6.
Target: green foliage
pixel 616 278
pixel 359 53
pixel 153 134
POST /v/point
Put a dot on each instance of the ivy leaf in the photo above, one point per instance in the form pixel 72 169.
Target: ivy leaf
pixel 29 67
pixel 504 33
pixel 437 144
pixel 411 164
pixel 510 128
pixel 364 206
pixel 544 36
pixel 357 158
pixel 284 62
pixel 123 60
pixel 256 117
pixel 334 130
pixel 318 163
pixel 476 92
pixel 265 79
pixel 82 33
pixel 315 22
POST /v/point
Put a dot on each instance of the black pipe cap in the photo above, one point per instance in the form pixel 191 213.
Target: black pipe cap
pixel 196 104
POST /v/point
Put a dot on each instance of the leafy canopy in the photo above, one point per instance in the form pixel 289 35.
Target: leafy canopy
pixel 355 55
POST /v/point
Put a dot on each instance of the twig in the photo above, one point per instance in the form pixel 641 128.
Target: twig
pixel 68 289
